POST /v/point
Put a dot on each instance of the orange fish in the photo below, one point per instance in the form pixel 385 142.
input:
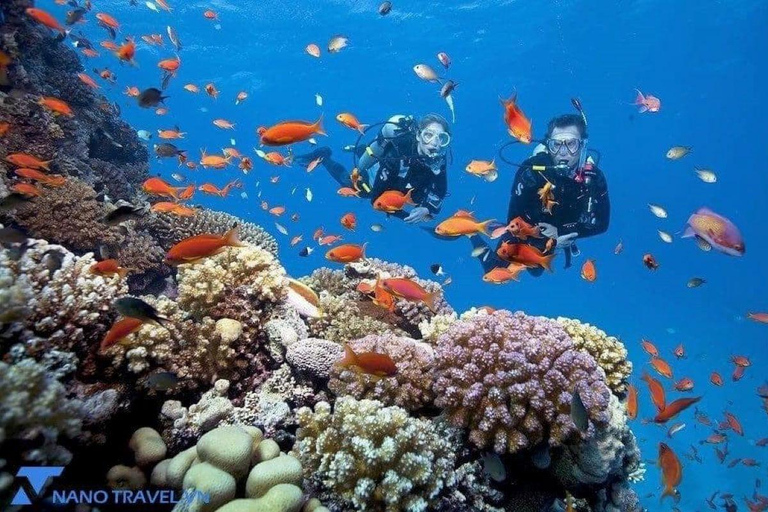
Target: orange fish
pixel 313 50
pixel 109 45
pixel 314 163
pixel 350 121
pixel 211 15
pixel 741 361
pixel 392 201
pixel 289 132
pixel 588 271
pixel 680 351
pixel 348 192
pixel 647 103
pixel 159 187
pixel 501 275
pixel 56 105
pixel 173 133
pixel 106 20
pixel 674 409
pixel 161 111
pixel 409 290
pixel 163 5
pixel 517 124
pixel 734 423
pixel 120 330
pixel 459 225
pixel 25 160
pixel 632 402
pixel 716 379
pixel 26 189
pixel 347 253
pixel 187 192
pixel 223 124
pixel 127 51
pixel 215 161
pixel 171 66
pixel 369 362
pixel 163 207
pixel 738 373
pixel 192 88
pixel 295 240
pixel 714 439
pixel 684 384
pixel 108 268
pixel 183 211
pixel 45 19
pixel 241 97
pixel 662 367
pixel 649 348
pixel 657 392
pixel 382 297
pixel 90 52
pixel 4 127
pixel 277 210
pixel 328 239
pixel 131 92
pixel 317 234
pixel 671 470
pixel 90 82
pixel 275 158
pixel 34 174
pixel 349 221
pixel 522 230
pixel 233 152
pixel 758 317
pixel 201 246
pixel 650 262
pixel 525 254
pixel 245 164
pixel 212 91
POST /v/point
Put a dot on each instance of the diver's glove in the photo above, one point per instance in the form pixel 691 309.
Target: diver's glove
pixel 566 241
pixel 418 214
pixel 547 230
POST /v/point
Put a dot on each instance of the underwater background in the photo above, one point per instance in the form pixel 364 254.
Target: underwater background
pixel 704 60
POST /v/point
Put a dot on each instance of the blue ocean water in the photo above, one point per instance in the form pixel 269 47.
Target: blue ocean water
pixel 704 60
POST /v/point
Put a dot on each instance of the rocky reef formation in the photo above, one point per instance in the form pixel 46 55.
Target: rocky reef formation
pixel 237 391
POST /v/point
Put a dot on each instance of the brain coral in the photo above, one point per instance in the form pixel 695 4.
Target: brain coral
pixel 608 351
pixel 410 388
pixel 509 378
pixel 373 457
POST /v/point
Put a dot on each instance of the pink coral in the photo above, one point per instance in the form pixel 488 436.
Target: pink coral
pixel 509 378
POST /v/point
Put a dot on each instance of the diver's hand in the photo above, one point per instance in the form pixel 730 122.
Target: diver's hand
pixel 418 214
pixel 566 240
pixel 548 230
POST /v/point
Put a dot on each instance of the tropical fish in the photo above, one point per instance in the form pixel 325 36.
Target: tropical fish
pixel 658 211
pixel 108 267
pixel 650 262
pixel 312 50
pixel 349 221
pixel 525 254
pixel 302 297
pixel 665 237
pixel 350 121
pixel 517 124
pixel 631 402
pixel 150 97
pixel 462 225
pixel 337 42
pixel 392 201
pixel 483 169
pixel 119 330
pixel 131 307
pixel 678 152
pixel 57 106
pixel 410 290
pixel 45 19
pixel 706 175
pixel 719 232
pixel 716 379
pixel 426 73
pixel 385 8
pixel 198 247
pixel 501 275
pixel 289 132
pixel 671 470
pixel 159 187
pixel 444 59
pixel 675 408
pixel 695 282
pixel 647 103
pixel 657 392
pixel 369 362
pixel 523 230
pixel 662 367
pixel 347 253
pixel 588 271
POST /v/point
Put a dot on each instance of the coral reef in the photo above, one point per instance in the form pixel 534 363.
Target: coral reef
pixel 373 457
pixel 409 388
pixel 509 378
pixel 342 321
pixel 608 351
pixel 313 357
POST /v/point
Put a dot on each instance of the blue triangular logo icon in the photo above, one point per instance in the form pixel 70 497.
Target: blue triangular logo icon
pixel 20 498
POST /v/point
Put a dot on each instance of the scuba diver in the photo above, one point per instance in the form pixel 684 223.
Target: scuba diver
pixel 579 206
pixel 407 154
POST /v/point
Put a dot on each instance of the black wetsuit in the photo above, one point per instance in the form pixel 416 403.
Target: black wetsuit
pixel 399 167
pixel 583 207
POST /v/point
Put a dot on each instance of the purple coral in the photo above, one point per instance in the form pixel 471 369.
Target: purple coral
pixel 509 378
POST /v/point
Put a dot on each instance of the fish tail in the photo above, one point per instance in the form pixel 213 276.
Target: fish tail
pixel 318 127
pixel 408 198
pixel 547 262
pixel 362 127
pixel 350 358
pixel 429 300
pixel 484 226
pixel 123 272
pixel 640 99
pixel 232 237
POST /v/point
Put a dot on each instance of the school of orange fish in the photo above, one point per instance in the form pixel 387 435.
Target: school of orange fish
pixel 172 200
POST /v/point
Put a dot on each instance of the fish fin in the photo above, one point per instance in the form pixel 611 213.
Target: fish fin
pixel 705 211
pixel 350 358
pixel 363 251
pixel 318 128
pixel 643 109
pixel 484 226
pixel 547 263
pixel 408 198
pixel 429 300
pixel 640 99
pixel 361 128
pixel 688 233
pixel 232 237
pixel 123 272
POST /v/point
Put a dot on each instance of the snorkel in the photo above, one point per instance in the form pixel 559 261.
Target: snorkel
pixel 580 178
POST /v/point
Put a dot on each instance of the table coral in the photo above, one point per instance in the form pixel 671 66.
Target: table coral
pixel 608 351
pixel 409 388
pixel 509 379
pixel 373 457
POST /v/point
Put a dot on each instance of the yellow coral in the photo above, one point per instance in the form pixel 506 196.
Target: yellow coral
pixel 608 351
pixel 206 283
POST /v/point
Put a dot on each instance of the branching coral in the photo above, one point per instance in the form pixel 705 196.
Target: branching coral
pixel 66 308
pixel 373 457
pixel 342 321
pixel 608 351
pixel 409 388
pixel 250 270
pixel 509 378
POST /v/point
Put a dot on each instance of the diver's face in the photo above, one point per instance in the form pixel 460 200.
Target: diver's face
pixel 566 134
pixel 429 139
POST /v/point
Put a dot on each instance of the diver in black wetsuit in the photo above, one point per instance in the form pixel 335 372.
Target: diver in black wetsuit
pixel 580 191
pixel 406 154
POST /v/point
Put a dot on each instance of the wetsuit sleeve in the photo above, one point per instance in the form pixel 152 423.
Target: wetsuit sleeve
pixel 524 197
pixel 601 204
pixel 433 201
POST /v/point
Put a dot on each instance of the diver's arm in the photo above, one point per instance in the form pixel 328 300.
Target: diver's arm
pixel 374 151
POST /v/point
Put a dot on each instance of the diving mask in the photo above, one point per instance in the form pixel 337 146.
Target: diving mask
pixel 443 138
pixel 572 145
